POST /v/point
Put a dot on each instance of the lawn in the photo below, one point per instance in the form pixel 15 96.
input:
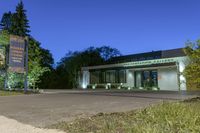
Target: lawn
pixel 168 117
pixel 10 93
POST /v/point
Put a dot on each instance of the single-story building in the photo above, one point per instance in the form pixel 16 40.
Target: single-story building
pixel 156 70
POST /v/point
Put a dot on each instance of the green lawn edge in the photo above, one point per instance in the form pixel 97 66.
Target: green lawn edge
pixel 166 117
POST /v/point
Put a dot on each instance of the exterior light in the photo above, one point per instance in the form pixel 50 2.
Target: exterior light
pixel 129 88
pixel 119 87
pixel 84 86
pixel 106 87
pixel 94 86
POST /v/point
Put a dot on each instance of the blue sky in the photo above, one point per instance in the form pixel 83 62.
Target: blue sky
pixel 132 26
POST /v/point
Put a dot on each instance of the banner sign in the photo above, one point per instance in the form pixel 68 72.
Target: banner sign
pixel 16 54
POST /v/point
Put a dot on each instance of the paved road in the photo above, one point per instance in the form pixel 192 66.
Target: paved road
pixel 53 106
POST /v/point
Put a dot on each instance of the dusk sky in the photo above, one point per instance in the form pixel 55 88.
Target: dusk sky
pixel 132 26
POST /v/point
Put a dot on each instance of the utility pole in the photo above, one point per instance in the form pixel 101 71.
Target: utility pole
pixel 26 65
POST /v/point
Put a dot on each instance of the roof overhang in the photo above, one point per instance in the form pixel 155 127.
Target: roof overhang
pixel 137 63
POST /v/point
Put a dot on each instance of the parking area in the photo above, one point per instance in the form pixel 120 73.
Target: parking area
pixel 54 106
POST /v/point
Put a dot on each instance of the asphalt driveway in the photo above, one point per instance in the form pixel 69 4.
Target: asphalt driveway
pixel 53 106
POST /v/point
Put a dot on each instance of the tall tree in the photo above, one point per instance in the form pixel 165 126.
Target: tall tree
pixel 46 58
pixel 6 21
pixel 20 24
pixel 107 52
pixel 192 71
pixel 37 63
pixel 40 60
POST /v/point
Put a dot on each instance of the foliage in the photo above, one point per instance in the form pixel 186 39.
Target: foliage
pixel 4 38
pixel 40 60
pixel 38 63
pixel 107 52
pixel 35 74
pixel 72 63
pixel 46 58
pixel 2 78
pixel 163 118
pixel 15 80
pixel 192 71
pixel 4 42
pixel 6 21
pixel 47 62
pixel 20 24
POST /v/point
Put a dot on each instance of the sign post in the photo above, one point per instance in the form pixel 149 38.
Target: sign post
pixel 26 66
pixel 16 54
pixel 18 57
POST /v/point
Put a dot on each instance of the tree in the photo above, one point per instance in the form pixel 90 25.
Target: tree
pixel 15 80
pixel 34 75
pixel 192 71
pixel 4 38
pixel 46 61
pixel 40 60
pixel 20 24
pixel 46 58
pixel 4 43
pixel 69 67
pixel 6 21
pixel 37 63
pixel 107 52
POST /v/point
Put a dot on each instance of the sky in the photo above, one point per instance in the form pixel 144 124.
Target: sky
pixel 132 26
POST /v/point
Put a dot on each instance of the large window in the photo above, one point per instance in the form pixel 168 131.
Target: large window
pixel 110 76
pixel 94 77
pixel 122 76
pixel 148 78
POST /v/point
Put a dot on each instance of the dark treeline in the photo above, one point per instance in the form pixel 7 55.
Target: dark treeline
pixel 42 74
pixel 65 75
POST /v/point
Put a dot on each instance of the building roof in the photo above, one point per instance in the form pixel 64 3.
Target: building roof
pixel 148 56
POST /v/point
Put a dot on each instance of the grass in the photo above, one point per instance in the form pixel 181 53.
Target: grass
pixel 168 117
pixel 10 93
pixel 16 92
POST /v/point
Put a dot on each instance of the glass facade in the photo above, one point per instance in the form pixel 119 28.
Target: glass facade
pixel 147 78
pixel 109 76
pixel 144 78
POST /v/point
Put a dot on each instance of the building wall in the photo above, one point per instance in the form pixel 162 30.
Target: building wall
pixel 168 79
pixel 130 78
pixel 85 79
pixel 182 64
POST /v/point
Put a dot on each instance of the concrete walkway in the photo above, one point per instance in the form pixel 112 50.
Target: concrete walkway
pixel 13 126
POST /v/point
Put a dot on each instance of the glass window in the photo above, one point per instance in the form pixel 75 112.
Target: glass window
pixel 94 77
pixel 122 76
pixel 110 76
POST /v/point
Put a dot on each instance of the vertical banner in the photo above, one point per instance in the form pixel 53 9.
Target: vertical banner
pixel 16 54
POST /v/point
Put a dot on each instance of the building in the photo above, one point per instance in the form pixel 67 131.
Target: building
pixel 156 70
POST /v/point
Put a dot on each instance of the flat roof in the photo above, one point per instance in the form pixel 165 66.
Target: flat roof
pixel 163 57
pixel 179 52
